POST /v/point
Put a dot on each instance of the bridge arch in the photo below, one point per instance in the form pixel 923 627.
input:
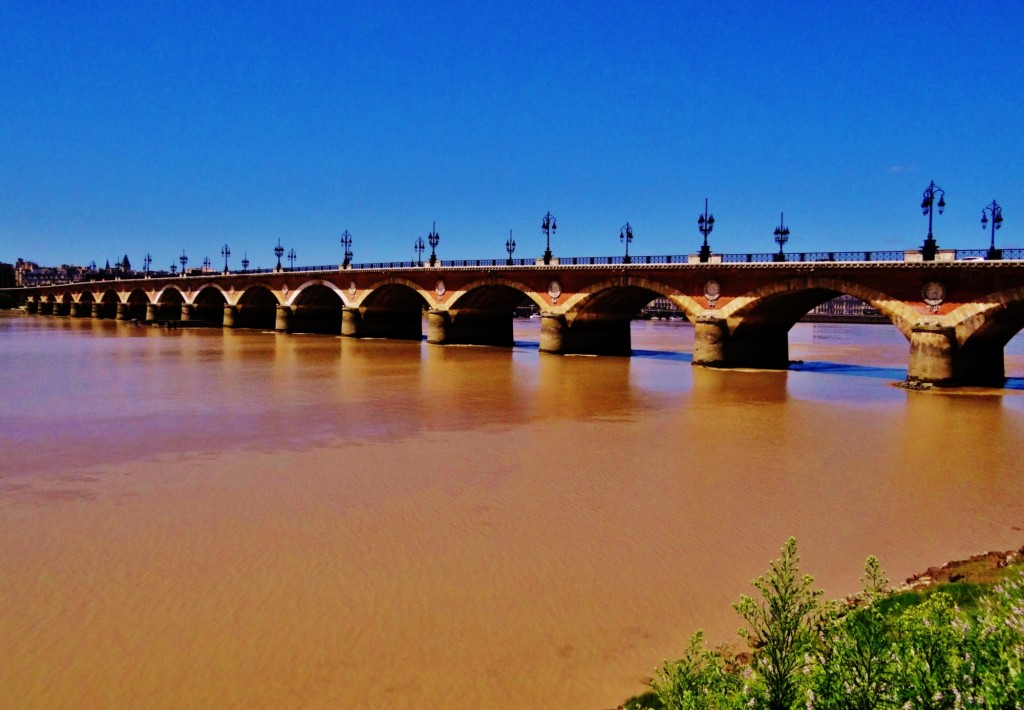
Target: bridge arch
pixel 209 289
pixel 136 301
pixel 625 296
pixel 752 330
pixel 106 303
pixel 391 308
pixel 481 313
pixel 297 294
pixel 169 302
pixel 981 331
pixel 256 307
pixel 596 319
pixel 789 300
pixel 208 304
pixel 316 307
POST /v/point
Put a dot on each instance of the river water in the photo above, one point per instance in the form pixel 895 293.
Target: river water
pixel 212 519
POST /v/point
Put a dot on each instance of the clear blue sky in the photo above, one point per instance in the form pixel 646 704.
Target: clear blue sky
pixel 133 127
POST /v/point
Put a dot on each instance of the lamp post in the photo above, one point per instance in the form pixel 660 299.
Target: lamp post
pixel 510 246
pixel 928 205
pixel 278 252
pixel 174 268
pixel 184 260
pixel 626 235
pixel 433 239
pixel 245 262
pixel 997 221
pixel 145 264
pixel 206 264
pixel 225 252
pixel 781 237
pixel 291 259
pixel 705 223
pixel 418 247
pixel 346 244
pixel 548 226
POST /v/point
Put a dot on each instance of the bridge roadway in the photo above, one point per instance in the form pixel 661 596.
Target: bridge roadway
pixel 956 315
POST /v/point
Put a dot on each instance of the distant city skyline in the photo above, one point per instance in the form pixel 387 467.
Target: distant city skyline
pixel 132 129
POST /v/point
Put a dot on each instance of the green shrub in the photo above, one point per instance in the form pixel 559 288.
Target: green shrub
pixel 957 646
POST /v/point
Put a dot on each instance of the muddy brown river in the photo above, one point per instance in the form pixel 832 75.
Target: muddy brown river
pixel 212 519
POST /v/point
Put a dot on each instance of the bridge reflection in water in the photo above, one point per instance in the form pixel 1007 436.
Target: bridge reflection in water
pixel 956 315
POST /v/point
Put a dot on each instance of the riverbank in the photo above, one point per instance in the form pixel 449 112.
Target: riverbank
pixel 866 644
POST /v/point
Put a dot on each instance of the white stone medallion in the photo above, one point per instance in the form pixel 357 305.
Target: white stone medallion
pixel 712 290
pixel 351 288
pixel 440 288
pixel 933 294
pixel 554 290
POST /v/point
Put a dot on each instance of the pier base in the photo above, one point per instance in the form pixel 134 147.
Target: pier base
pixel 932 347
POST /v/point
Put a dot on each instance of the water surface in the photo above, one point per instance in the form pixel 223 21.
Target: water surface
pixel 213 518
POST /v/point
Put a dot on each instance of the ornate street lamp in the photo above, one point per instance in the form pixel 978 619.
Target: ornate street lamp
pixel 206 264
pixel 346 243
pixel 418 246
pixel 184 260
pixel 626 235
pixel 279 251
pixel 781 237
pixel 927 207
pixel 705 223
pixel 548 226
pixel 225 252
pixel 291 260
pixel 510 246
pixel 174 268
pixel 245 262
pixel 997 221
pixel 145 264
pixel 433 239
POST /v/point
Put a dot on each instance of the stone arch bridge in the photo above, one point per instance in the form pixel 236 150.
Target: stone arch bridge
pixel 957 316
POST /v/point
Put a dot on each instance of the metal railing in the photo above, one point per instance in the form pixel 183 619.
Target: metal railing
pixel 808 256
pixel 750 258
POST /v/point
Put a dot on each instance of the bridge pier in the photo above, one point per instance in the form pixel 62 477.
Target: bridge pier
pixel 230 316
pixel 585 336
pixel 350 321
pixel 283 319
pixel 46 308
pixel 152 312
pixel 97 310
pixel 75 309
pixel 710 334
pixel 121 311
pixel 187 310
pixel 31 306
pixel 932 347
